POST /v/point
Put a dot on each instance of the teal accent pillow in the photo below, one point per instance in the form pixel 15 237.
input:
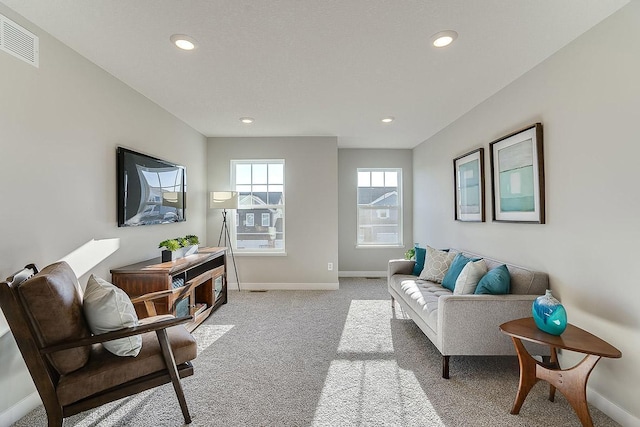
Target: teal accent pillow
pixel 495 282
pixel 421 253
pixel 449 280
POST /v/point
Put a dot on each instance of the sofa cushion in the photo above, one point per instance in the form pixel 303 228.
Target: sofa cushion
pixel 469 277
pixel 436 264
pixel 523 281
pixel 458 263
pixel 106 370
pixel 495 282
pixel 421 296
pixel 108 308
pixel 420 254
pixel 55 307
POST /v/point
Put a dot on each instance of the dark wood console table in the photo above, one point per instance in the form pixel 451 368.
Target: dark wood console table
pixel 572 383
pixel 195 285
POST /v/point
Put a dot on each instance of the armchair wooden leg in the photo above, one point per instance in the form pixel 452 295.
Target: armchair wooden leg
pixel 167 353
pixel 54 420
pixel 53 410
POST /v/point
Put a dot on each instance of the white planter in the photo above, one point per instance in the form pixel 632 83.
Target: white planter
pixel 179 253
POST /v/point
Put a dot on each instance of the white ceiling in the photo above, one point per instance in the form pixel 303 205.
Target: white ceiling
pixel 317 67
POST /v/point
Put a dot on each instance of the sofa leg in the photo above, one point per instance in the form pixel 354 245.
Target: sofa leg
pixel 445 367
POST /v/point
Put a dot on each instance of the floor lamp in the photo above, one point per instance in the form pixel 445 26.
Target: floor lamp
pixel 225 200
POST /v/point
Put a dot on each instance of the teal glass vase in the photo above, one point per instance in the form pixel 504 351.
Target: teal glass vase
pixel 549 315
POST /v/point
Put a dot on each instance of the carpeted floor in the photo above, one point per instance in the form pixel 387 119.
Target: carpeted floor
pixel 330 358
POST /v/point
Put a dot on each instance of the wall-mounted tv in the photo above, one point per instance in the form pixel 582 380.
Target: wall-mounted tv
pixel 150 190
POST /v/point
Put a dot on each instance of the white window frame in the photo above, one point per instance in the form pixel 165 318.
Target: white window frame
pixel 267 217
pixel 380 208
pixel 262 249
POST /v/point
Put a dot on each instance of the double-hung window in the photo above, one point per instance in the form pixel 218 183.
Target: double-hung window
pixel 260 217
pixel 379 207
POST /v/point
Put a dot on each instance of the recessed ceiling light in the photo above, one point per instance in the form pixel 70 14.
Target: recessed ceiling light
pixel 387 119
pixel 444 38
pixel 183 42
pixel 247 120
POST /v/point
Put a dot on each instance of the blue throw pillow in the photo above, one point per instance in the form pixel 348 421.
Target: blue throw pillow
pixel 449 280
pixel 421 253
pixel 495 282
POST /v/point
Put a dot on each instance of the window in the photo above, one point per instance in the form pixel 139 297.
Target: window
pixel 260 184
pixel 379 207
pixel 248 220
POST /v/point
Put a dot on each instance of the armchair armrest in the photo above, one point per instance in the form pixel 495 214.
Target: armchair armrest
pixel 152 296
pixel 177 293
pixel 120 333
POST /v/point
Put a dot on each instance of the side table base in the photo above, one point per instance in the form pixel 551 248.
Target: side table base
pixel 572 382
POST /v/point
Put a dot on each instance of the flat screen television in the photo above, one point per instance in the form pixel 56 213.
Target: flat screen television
pixel 150 190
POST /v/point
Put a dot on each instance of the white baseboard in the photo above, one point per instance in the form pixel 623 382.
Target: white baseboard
pixel 283 286
pixel 612 410
pixel 362 274
pixel 20 409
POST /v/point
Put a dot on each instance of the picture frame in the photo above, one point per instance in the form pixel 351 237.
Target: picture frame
pixel 517 176
pixel 468 176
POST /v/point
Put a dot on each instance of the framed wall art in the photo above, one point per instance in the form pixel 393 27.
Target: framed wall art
pixel 517 176
pixel 468 171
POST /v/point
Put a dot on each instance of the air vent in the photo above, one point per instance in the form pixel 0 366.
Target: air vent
pixel 18 41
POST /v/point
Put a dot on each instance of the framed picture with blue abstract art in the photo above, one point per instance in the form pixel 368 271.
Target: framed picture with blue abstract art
pixel 468 172
pixel 517 176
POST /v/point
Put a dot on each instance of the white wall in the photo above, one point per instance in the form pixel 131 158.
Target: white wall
pixel 587 97
pixel 311 210
pixel 369 261
pixel 59 128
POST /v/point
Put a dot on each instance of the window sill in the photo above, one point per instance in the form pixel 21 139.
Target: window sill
pixel 243 254
pixel 379 246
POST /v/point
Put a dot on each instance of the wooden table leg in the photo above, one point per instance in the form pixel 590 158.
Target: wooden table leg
pixel 572 383
pixel 527 375
pixel 554 365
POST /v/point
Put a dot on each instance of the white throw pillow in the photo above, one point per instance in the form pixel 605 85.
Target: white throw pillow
pixel 436 264
pixel 469 277
pixel 108 308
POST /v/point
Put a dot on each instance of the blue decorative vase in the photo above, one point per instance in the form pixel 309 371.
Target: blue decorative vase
pixel 549 315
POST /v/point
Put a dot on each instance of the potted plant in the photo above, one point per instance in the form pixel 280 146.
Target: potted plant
pixel 190 242
pixel 410 254
pixel 179 247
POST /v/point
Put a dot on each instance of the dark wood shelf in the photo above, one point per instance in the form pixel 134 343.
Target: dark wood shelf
pixel 201 271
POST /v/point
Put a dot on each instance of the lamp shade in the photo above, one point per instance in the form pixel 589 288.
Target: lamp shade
pixel 223 200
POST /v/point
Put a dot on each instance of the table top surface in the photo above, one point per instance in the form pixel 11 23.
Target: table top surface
pixel 573 338
pixel 171 267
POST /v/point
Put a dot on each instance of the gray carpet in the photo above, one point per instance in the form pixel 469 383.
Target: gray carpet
pixel 330 358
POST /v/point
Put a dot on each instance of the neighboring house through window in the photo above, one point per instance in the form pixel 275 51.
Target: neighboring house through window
pixel 260 184
pixel 379 207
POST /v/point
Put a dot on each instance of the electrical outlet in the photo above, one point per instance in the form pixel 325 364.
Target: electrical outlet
pixel 330 266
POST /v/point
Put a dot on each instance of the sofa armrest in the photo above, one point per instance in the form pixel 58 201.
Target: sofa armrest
pixel 469 324
pixel 400 266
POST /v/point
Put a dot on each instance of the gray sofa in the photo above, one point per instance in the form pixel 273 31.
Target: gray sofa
pixel 466 325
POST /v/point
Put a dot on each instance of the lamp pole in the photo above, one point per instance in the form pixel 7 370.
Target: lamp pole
pixel 227 238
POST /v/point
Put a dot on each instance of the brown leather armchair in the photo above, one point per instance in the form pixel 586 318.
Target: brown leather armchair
pixel 71 369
